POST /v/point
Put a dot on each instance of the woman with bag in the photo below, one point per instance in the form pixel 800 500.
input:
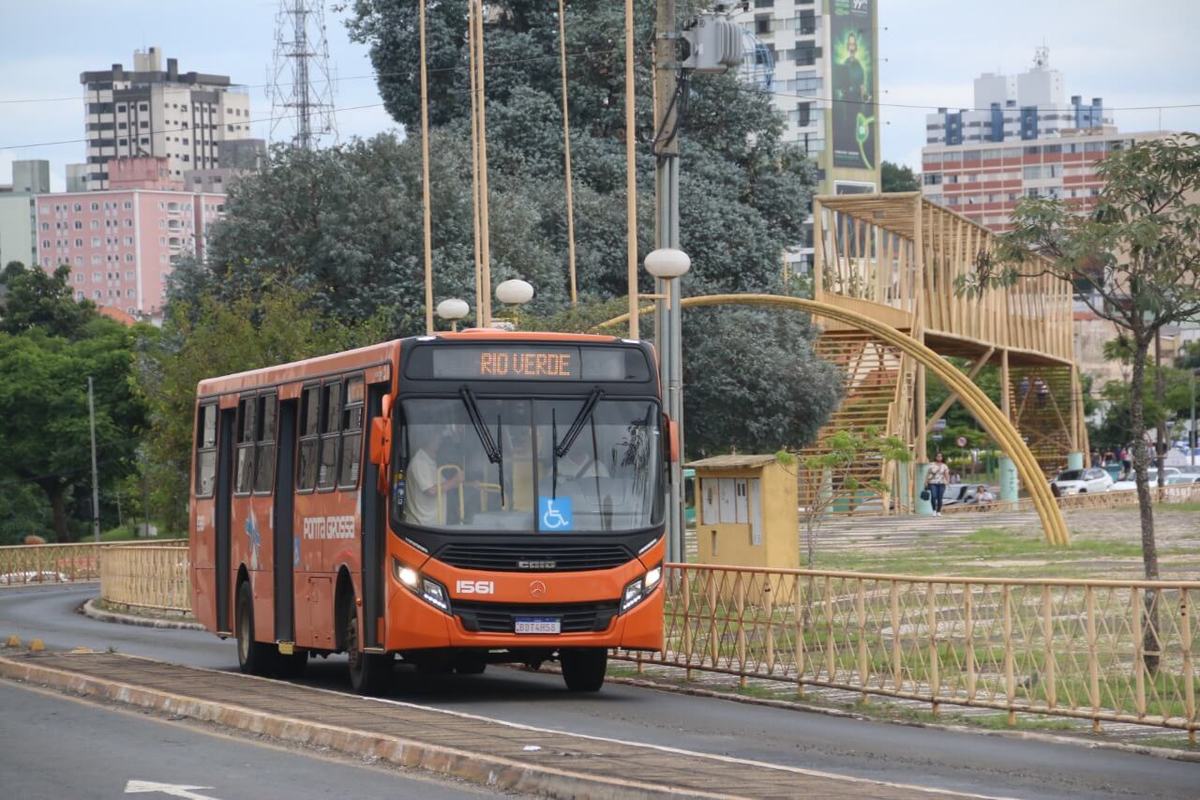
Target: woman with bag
pixel 935 482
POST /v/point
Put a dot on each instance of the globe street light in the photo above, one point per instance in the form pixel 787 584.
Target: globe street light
pixel 453 310
pixel 667 264
pixel 516 293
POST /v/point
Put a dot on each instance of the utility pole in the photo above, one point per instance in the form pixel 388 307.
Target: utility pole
pixel 667 320
pixel 95 474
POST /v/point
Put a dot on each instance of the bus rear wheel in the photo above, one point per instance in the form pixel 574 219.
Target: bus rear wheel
pixel 369 672
pixel 254 658
pixel 583 669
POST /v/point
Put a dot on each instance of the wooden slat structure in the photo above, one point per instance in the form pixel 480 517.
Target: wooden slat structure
pixel 899 258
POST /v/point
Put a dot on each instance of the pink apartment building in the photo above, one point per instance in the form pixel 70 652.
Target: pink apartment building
pixel 122 243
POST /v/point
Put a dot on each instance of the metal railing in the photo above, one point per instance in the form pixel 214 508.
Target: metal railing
pixel 1118 651
pixel 60 563
pixel 147 577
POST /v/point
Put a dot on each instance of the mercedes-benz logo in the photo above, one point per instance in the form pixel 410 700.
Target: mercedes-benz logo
pixel 537 588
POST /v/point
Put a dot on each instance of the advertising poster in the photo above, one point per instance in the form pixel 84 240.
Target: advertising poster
pixel 855 115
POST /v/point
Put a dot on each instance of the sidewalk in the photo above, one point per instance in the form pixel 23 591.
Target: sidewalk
pixel 497 754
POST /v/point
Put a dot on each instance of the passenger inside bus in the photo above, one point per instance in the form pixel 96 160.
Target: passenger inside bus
pixel 428 484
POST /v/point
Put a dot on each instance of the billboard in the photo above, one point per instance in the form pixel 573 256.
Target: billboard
pixel 855 114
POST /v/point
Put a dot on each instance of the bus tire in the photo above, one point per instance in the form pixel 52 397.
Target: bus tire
pixel 583 669
pixel 254 658
pixel 370 673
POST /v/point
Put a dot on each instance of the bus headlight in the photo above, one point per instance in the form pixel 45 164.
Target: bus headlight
pixel 639 589
pixel 426 588
pixel 434 594
pixel 407 575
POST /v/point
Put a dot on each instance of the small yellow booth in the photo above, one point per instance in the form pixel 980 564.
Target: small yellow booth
pixel 746 512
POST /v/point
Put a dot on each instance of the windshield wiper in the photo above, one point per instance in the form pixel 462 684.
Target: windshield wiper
pixel 490 448
pixel 585 413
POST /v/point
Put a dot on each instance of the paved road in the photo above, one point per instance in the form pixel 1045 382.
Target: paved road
pixel 942 759
pixel 55 748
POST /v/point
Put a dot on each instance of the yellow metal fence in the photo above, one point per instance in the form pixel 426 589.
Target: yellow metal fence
pixel 60 563
pixel 146 577
pixel 1119 651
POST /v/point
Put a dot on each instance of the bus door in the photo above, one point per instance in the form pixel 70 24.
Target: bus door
pixel 224 503
pixel 374 530
pixel 286 553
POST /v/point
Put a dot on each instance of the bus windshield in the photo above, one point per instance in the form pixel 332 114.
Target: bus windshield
pixel 508 464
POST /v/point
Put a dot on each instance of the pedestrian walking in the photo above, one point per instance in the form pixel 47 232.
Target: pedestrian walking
pixel 935 481
pixel 1126 461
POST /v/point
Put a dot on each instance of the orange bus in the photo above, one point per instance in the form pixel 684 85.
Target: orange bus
pixel 453 500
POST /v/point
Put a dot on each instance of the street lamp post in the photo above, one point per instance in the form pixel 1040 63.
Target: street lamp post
pixel 667 265
pixel 452 310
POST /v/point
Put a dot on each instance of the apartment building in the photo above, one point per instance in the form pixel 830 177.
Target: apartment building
pixel 121 244
pixel 17 230
pixel 152 111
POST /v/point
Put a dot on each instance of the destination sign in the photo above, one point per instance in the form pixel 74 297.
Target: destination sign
pixel 528 362
pixel 499 362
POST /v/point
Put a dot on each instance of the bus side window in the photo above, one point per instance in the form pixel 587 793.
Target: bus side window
pixel 244 480
pixel 206 450
pixel 331 418
pixel 352 423
pixel 264 458
pixel 310 416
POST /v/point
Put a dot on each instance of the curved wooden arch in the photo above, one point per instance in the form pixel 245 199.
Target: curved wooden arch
pixel 999 427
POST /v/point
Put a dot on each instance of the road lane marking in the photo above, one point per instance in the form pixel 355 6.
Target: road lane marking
pixel 170 789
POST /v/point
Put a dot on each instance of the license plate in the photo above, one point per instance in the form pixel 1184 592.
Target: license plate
pixel 538 625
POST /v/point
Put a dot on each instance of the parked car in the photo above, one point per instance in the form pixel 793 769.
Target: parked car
pixel 1130 484
pixel 1183 478
pixel 1082 481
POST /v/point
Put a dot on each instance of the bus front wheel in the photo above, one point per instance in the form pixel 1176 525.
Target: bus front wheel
pixel 369 672
pixel 583 669
pixel 254 658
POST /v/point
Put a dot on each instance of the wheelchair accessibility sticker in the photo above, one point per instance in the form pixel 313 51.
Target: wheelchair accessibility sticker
pixel 554 514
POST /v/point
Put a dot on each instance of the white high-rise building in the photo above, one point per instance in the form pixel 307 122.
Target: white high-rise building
pixel 819 59
pixel 149 111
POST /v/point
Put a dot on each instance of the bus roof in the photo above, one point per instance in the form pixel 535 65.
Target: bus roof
pixel 384 352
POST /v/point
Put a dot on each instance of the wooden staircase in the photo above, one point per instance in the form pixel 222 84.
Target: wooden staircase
pixel 1040 402
pixel 877 385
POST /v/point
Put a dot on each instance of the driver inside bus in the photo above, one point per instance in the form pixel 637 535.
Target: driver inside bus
pixel 421 505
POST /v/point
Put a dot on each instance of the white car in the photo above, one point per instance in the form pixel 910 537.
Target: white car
pixel 1082 481
pixel 1130 484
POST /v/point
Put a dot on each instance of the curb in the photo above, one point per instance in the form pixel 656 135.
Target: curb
pixel 89 609
pixel 492 771
pixel 1033 736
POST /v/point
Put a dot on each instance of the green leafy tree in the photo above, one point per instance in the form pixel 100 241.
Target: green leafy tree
pixel 1138 256
pixel 44 430
pixel 899 178
pixel 216 336
pixel 34 298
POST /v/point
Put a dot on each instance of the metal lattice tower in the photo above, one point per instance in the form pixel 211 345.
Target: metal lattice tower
pixel 301 83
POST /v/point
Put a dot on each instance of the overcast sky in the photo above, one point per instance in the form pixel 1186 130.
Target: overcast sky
pixel 1131 54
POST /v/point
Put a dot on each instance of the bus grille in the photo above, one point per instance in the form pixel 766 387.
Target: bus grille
pixel 568 557
pixel 501 617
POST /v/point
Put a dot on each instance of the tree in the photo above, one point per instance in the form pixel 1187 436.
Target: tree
pixel 744 192
pixel 44 429
pixel 36 298
pixel 1138 256
pixel 272 325
pixel 898 178
pixel 845 451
